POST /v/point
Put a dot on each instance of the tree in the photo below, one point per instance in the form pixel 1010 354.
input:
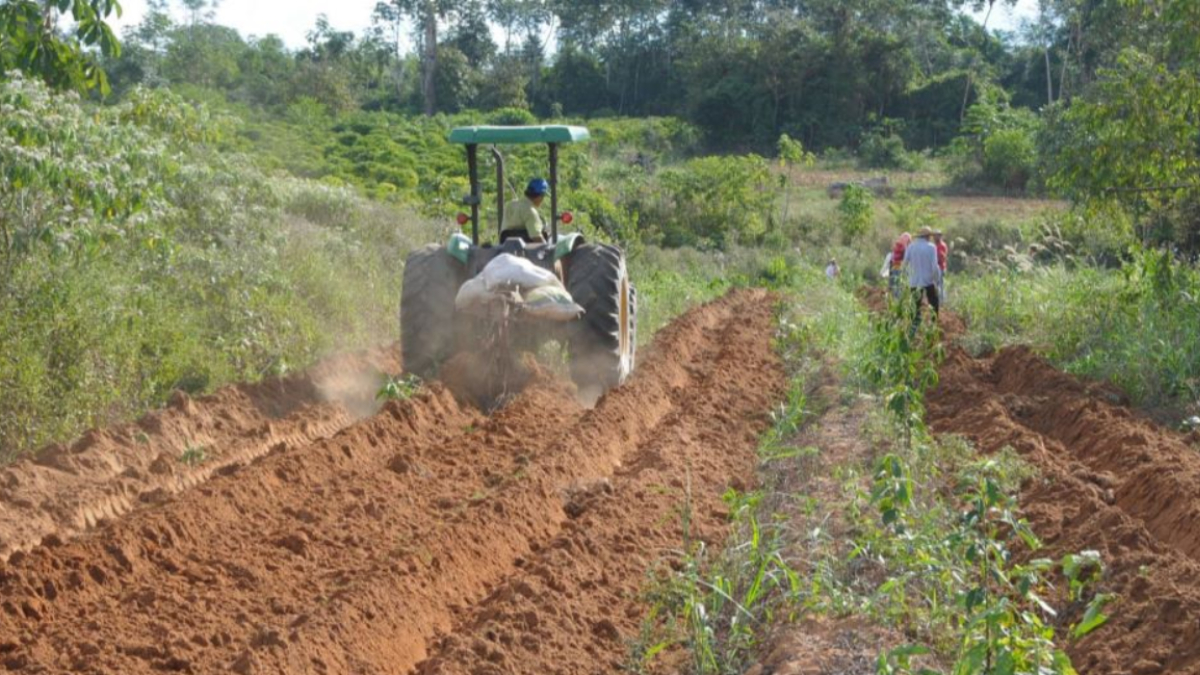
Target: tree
pixel 473 36
pixel 427 15
pixel 205 55
pixel 324 68
pixel 30 40
pixel 455 80
pixel 200 11
pixel 978 5
pixel 1132 139
pixel 791 155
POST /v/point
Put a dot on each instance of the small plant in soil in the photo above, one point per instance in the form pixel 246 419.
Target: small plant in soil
pixel 193 456
pixel 399 388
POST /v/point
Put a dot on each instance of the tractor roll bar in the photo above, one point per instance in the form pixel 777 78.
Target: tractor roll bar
pixel 499 190
pixel 475 197
pixel 553 192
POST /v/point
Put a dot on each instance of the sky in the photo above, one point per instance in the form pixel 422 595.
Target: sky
pixel 292 19
pixel 289 19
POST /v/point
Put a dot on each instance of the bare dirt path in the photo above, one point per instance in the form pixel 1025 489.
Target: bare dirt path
pixel 1109 481
pixel 424 537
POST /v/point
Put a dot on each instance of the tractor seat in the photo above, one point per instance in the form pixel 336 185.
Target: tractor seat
pixel 520 237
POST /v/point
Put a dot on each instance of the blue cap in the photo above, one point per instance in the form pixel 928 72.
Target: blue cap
pixel 537 187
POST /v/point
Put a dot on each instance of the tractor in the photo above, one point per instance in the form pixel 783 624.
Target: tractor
pixel 600 344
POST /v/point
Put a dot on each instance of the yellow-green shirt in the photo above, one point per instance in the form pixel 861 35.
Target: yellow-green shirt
pixel 521 214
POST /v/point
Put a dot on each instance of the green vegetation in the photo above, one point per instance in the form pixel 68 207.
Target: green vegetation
pixel 236 208
pixel 855 213
pixel 1135 327
pixel 31 42
pixel 399 388
pixel 193 456
pixel 138 258
pixel 918 535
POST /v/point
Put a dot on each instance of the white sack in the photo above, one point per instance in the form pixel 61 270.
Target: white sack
pixel 509 269
pixel 473 295
pixel 552 303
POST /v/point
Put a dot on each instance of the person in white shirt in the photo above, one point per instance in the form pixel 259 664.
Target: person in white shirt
pixel 832 270
pixel 921 259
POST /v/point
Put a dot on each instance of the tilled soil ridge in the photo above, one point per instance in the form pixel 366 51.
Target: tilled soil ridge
pixel 367 552
pixel 1109 481
pixel 573 605
pixel 64 490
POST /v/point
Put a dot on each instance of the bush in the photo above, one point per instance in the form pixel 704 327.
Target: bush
pixel 714 202
pixel 856 212
pixel 512 117
pixel 1010 158
pixel 998 147
pixel 883 148
pixel 138 259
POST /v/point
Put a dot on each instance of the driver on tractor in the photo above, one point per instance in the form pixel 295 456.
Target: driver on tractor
pixel 521 217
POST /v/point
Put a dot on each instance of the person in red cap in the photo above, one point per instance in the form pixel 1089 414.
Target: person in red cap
pixel 943 255
pixel 898 250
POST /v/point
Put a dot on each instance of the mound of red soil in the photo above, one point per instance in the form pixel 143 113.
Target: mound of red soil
pixel 66 489
pixel 426 536
pixel 488 381
pixel 1109 481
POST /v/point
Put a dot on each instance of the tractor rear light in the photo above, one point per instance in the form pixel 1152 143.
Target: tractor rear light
pixel 462 219
pixel 567 217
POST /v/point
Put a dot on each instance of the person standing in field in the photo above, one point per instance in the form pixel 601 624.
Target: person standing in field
pixel 921 259
pixel 898 251
pixel 943 255
pixel 832 271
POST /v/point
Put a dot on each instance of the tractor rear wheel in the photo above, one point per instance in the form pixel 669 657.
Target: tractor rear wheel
pixel 602 344
pixel 427 335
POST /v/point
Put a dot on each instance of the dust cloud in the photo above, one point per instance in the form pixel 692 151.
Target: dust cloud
pixel 354 389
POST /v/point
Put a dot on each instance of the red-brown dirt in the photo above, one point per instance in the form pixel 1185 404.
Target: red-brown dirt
pixel 66 489
pixel 425 538
pixel 1109 481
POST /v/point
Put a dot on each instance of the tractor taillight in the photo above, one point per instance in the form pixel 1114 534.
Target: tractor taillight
pixel 462 219
pixel 567 217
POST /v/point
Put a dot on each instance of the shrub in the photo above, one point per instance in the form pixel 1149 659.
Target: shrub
pixel 511 117
pixel 856 212
pixel 998 146
pixel 138 259
pixel 1009 158
pixel 883 148
pixel 715 201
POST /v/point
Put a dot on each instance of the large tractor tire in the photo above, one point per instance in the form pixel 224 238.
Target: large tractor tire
pixel 427 321
pixel 602 345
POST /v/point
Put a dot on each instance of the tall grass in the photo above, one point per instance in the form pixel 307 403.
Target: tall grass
pixel 137 259
pixel 1135 327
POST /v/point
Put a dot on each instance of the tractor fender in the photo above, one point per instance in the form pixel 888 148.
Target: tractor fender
pixel 459 247
pixel 566 244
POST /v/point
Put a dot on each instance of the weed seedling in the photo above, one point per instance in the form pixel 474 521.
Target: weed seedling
pixel 399 388
pixel 193 456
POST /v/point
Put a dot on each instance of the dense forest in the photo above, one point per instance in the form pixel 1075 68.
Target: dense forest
pixel 830 73
pixel 882 81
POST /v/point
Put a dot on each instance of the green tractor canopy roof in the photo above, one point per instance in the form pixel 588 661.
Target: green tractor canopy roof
pixel 515 135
